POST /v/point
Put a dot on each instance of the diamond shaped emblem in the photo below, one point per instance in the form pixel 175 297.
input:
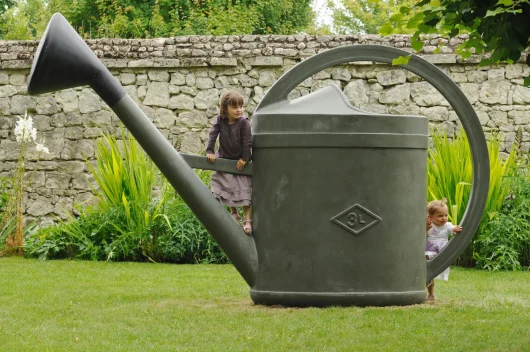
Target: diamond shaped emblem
pixel 356 219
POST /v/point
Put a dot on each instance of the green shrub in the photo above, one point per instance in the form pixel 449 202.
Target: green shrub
pixel 126 178
pixel 187 241
pixel 129 223
pixel 95 236
pixel 504 243
pixel 87 237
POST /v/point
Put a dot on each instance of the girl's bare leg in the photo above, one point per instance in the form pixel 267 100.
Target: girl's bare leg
pixel 247 227
pixel 430 290
pixel 235 214
pixel 246 212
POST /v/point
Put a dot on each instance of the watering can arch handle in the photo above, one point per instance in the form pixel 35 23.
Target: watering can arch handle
pixel 456 98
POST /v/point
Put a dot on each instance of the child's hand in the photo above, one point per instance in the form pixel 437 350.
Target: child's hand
pixel 241 164
pixel 429 223
pixel 211 158
pixel 457 229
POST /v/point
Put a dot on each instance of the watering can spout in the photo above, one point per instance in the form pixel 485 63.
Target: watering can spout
pixel 56 67
pixel 237 246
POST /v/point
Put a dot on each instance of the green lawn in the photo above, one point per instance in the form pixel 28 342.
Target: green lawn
pixel 98 306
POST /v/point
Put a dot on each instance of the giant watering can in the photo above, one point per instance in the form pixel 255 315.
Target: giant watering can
pixel 339 195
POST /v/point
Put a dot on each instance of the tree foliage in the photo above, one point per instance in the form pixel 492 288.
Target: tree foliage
pixel 5 4
pixel 498 28
pixel 366 16
pixel 27 19
pixel 163 18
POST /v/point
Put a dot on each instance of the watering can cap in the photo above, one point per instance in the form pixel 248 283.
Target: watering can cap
pixel 325 101
pixel 328 110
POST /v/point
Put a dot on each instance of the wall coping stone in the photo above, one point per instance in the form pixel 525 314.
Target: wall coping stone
pixel 212 51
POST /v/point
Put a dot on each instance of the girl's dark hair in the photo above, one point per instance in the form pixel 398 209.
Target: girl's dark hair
pixel 231 98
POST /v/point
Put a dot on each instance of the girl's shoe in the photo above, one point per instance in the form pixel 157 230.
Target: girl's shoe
pixel 236 216
pixel 247 227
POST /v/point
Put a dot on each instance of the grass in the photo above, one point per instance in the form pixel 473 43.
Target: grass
pixel 101 306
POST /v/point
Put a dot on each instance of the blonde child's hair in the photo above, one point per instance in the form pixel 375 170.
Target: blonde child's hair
pixel 434 205
pixel 231 98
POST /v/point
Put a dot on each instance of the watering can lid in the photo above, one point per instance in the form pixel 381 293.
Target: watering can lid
pixel 326 101
pixel 328 110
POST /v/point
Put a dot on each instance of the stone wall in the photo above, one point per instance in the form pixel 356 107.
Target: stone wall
pixel 178 81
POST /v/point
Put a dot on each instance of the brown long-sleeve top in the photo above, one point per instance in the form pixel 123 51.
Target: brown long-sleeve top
pixel 235 141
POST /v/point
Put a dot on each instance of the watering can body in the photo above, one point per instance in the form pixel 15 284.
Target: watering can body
pixel 338 194
pixel 338 204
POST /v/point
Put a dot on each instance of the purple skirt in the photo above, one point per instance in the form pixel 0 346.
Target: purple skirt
pixel 435 246
pixel 432 249
pixel 232 190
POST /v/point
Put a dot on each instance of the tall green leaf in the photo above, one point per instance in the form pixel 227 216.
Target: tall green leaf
pixel 126 178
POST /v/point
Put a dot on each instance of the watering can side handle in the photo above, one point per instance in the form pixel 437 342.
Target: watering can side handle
pixel 456 98
pixel 314 64
pixel 221 164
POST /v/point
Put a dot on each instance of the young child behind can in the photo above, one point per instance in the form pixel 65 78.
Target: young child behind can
pixel 438 231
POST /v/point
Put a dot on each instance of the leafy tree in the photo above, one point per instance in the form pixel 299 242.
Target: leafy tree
pixel 318 29
pixel 26 20
pixel 216 19
pixel 282 16
pixel 498 28
pixel 220 17
pixel 5 4
pixel 162 18
pixel 367 16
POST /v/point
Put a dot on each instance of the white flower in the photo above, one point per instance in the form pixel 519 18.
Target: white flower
pixel 41 148
pixel 24 130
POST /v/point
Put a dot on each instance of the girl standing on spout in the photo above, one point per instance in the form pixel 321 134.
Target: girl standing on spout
pixel 235 142
pixel 438 231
